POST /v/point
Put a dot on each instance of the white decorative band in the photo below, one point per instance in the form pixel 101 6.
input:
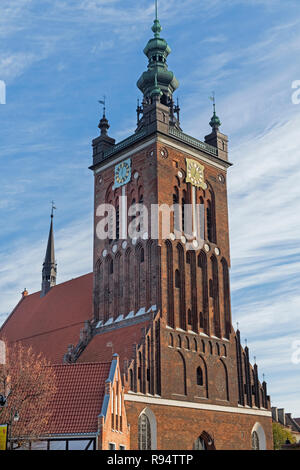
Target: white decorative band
pixel 198 406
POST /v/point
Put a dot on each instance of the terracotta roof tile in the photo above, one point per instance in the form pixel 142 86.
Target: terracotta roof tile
pixel 78 401
pixel 122 340
pixel 49 324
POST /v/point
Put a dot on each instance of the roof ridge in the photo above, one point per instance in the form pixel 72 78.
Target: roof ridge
pixel 81 364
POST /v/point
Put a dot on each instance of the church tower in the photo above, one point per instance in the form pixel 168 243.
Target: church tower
pixel 185 369
pixel 49 266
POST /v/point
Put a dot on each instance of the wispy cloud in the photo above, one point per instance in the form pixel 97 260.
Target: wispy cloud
pixel 73 52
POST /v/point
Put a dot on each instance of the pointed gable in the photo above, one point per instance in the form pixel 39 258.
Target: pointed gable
pixel 50 323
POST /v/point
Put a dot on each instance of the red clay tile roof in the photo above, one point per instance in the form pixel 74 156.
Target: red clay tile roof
pixel 49 324
pixel 122 340
pixel 79 397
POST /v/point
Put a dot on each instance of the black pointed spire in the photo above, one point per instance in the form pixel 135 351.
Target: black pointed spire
pixel 49 266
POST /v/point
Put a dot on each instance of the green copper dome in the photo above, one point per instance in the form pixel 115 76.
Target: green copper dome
pixel 215 122
pixel 157 75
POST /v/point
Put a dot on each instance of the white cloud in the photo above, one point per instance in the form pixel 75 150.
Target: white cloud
pixel 253 87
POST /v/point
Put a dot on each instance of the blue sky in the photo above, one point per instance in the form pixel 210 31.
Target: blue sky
pixel 59 57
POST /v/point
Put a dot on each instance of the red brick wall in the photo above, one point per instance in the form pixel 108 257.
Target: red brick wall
pixel 178 428
pixel 114 429
pixel 171 369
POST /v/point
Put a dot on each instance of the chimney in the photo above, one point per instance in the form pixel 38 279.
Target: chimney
pixel 281 416
pixel 275 414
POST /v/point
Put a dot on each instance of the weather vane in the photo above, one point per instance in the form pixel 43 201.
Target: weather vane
pixel 103 102
pixel 213 99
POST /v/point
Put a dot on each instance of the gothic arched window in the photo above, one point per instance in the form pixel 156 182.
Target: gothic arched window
pixel 177 279
pixel 199 376
pixel 255 441
pixel 200 444
pixel 204 442
pixel 117 222
pixel 209 222
pixel 170 283
pixel 144 431
pixel 201 319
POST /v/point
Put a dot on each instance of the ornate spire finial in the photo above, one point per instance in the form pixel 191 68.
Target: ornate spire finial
pixel 156 28
pixel 103 124
pixel 254 359
pixel 215 122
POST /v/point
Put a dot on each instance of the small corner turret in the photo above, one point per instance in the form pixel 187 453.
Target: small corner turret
pixel 102 143
pixel 216 138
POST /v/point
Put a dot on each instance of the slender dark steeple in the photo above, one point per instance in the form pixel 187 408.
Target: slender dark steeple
pixel 49 266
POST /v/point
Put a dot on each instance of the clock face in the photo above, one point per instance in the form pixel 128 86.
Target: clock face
pixel 195 173
pixel 122 173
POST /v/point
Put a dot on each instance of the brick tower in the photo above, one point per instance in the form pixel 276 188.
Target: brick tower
pixel 163 302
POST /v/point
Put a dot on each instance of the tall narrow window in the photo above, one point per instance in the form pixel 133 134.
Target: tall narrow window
pixel 117 222
pixel 141 226
pixel 209 222
pixel 182 214
pixel 182 305
pixel 175 218
pixel 170 283
pixel 215 296
pixel 202 264
pixel 226 293
pixel 211 218
pixel 199 376
pixel 255 441
pixel 144 433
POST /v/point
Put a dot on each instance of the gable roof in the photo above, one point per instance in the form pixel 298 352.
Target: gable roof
pixel 79 397
pixel 120 341
pixel 49 324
